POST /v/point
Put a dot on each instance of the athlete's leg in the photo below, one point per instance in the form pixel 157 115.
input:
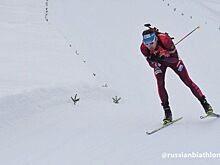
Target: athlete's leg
pixel 159 73
pixel 181 71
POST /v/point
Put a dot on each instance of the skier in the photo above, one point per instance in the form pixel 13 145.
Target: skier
pixel 160 52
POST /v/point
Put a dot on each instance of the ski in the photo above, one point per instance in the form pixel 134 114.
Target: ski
pixel 164 126
pixel 210 115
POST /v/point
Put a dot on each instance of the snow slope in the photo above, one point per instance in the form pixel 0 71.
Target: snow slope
pixel 91 48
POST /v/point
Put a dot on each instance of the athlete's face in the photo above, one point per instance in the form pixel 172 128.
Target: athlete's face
pixel 150 41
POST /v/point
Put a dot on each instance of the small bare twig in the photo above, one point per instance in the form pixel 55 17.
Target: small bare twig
pixel 77 53
pixel 105 86
pixel 75 99
pixel 116 99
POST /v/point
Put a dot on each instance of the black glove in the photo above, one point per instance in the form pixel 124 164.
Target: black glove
pixel 156 57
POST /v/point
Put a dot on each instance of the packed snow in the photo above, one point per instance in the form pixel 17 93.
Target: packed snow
pixel 52 50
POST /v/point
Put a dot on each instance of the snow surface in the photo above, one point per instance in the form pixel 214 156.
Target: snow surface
pixel 91 48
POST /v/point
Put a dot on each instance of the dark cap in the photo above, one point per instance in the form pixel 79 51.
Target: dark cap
pixel 149 31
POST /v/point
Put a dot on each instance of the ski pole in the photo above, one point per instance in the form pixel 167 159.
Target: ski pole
pixel 187 35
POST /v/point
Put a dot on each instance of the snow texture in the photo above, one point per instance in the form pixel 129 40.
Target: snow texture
pixel 52 50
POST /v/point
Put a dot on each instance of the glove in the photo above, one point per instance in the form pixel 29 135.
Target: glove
pixel 154 64
pixel 156 57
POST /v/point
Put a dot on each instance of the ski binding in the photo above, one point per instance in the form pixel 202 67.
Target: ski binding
pixel 164 126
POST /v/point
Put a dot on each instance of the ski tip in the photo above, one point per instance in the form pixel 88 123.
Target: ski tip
pixel 210 115
pixel 149 133
pixel 201 117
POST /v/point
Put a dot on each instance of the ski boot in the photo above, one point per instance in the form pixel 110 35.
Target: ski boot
pixel 207 107
pixel 168 115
